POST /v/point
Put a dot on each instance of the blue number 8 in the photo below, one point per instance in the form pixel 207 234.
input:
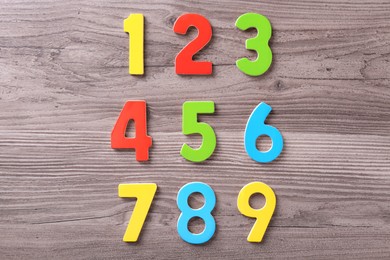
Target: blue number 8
pixel 188 213
pixel 256 128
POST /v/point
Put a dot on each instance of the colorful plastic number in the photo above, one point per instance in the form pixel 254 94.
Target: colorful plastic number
pixel 191 109
pixel 256 128
pixel 258 44
pixel 189 213
pixel 184 63
pixel 144 192
pixel 134 25
pixel 263 215
pixel 135 110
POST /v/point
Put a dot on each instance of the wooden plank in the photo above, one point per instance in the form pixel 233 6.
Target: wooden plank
pixel 335 186
pixel 63 82
pixel 315 39
pixel 101 241
pixel 349 107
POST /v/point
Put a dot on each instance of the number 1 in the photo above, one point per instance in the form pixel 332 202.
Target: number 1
pixel 134 25
pixel 144 192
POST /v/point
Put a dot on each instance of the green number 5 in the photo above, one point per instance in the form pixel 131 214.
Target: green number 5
pixel 258 44
pixel 191 109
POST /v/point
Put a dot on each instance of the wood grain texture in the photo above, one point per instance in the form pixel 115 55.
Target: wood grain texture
pixel 63 82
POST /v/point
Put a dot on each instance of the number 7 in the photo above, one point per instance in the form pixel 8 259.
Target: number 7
pixel 144 192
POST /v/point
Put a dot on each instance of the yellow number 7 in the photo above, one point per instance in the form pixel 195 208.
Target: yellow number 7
pixel 263 215
pixel 144 192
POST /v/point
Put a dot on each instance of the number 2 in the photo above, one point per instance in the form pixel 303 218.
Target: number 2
pixel 135 110
pixel 263 216
pixel 144 192
pixel 184 63
pixel 258 44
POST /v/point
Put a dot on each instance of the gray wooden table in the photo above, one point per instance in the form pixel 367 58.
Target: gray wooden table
pixel 64 79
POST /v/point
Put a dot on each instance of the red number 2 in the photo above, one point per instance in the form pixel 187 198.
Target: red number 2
pixel 184 62
pixel 136 111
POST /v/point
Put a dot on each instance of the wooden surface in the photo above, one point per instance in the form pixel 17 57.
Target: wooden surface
pixel 64 79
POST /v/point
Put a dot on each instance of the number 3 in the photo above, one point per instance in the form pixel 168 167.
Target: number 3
pixel 258 44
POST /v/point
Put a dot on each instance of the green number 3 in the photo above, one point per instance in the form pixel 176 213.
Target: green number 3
pixel 258 44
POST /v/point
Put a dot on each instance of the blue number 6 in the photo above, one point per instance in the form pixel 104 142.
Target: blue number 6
pixel 256 128
pixel 188 213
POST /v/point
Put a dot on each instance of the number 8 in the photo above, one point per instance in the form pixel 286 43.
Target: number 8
pixel 188 213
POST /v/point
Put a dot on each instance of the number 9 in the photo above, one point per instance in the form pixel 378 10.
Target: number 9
pixel 263 215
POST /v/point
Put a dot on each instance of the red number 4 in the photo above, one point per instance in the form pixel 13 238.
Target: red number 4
pixel 136 111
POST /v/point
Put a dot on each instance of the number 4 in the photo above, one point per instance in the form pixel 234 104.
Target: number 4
pixel 136 111
pixel 144 192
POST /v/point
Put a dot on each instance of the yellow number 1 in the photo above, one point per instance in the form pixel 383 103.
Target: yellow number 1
pixel 144 192
pixel 134 25
pixel 263 215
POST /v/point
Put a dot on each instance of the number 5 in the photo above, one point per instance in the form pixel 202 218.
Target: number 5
pixel 258 44
pixel 144 192
pixel 191 109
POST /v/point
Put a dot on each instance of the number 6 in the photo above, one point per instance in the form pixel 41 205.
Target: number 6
pixel 256 128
